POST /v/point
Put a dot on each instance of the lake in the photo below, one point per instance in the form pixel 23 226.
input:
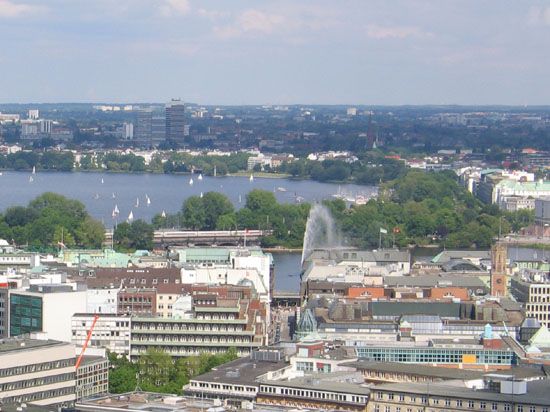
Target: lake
pixel 100 192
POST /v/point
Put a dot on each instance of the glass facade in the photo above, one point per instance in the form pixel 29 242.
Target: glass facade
pixel 437 355
pixel 25 314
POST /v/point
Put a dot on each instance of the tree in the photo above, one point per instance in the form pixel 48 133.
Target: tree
pixel 156 368
pixel 131 236
pixel 194 216
pixel 215 205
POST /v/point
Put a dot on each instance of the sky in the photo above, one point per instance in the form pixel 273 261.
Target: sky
pixel 372 52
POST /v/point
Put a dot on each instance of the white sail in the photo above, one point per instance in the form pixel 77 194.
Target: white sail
pixel 163 214
pixel 201 195
pixel 34 170
pixel 31 179
pixel 102 181
pixel 200 176
pixel 137 202
pixel 114 196
pixel 130 216
pixel 148 200
pixel 240 199
pixel 191 182
pixel 251 178
pixel 115 210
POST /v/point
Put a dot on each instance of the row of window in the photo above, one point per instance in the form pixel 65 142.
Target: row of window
pixel 30 383
pixel 36 396
pixel 317 395
pixel 435 355
pixel 458 403
pixel 37 367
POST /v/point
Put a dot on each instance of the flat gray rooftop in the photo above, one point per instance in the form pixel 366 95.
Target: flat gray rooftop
pixel 242 371
pixel 23 344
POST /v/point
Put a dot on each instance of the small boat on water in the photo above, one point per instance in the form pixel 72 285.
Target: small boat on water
pixel 281 189
pixel 114 196
pixel 137 202
pixel 201 195
pixel 102 181
pixel 163 214
pixel 191 182
pixel 251 178
pixel 147 200
pixel 115 212
pixel 31 179
pixel 240 199
pixel 200 176
pixel 130 216
pixel 34 170
pixel 96 196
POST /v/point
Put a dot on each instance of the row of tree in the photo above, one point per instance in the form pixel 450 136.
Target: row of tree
pixel 214 211
pixel 50 220
pixel 427 208
pixel 417 208
pixel 26 160
pixel 156 371
pixel 370 169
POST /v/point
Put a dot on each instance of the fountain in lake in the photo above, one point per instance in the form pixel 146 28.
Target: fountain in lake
pixel 321 231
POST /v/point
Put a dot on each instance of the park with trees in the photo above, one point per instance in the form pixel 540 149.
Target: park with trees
pixel 156 371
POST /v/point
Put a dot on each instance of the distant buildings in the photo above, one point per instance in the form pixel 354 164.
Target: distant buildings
pixel 175 120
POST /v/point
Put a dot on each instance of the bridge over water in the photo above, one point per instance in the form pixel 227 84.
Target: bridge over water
pixel 168 237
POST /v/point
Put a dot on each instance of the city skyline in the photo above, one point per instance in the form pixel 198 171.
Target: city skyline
pixel 414 52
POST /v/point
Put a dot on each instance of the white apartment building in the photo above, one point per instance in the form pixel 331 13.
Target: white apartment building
pixel 102 300
pixel 45 308
pixel 37 371
pixel 534 291
pixel 111 331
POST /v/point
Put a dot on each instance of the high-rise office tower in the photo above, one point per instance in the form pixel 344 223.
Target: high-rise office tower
pixel 142 131
pixel 175 120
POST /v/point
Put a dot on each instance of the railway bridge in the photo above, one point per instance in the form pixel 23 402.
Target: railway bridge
pixel 169 237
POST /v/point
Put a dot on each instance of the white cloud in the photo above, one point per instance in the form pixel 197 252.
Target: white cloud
pixel 251 21
pixel 395 32
pixel 11 9
pixel 539 16
pixel 212 15
pixel 171 8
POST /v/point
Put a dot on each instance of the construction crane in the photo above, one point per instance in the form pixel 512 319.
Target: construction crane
pixel 96 317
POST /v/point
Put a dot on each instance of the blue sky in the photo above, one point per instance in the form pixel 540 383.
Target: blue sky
pixel 276 52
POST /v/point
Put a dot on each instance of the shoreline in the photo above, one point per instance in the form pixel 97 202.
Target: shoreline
pixel 282 250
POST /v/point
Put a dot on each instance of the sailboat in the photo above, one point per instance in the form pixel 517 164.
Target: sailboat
pixel 240 199
pixel 114 196
pixel 201 195
pixel 96 196
pixel 191 182
pixel 137 202
pixel 200 176
pixel 115 212
pixel 102 181
pixel 31 179
pixel 251 178
pixel 130 216
pixel 34 170
pixel 147 200
pixel 163 214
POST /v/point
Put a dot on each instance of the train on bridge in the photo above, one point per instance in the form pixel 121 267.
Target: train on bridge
pixel 204 237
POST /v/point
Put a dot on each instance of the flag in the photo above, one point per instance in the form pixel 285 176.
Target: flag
pixel 384 231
